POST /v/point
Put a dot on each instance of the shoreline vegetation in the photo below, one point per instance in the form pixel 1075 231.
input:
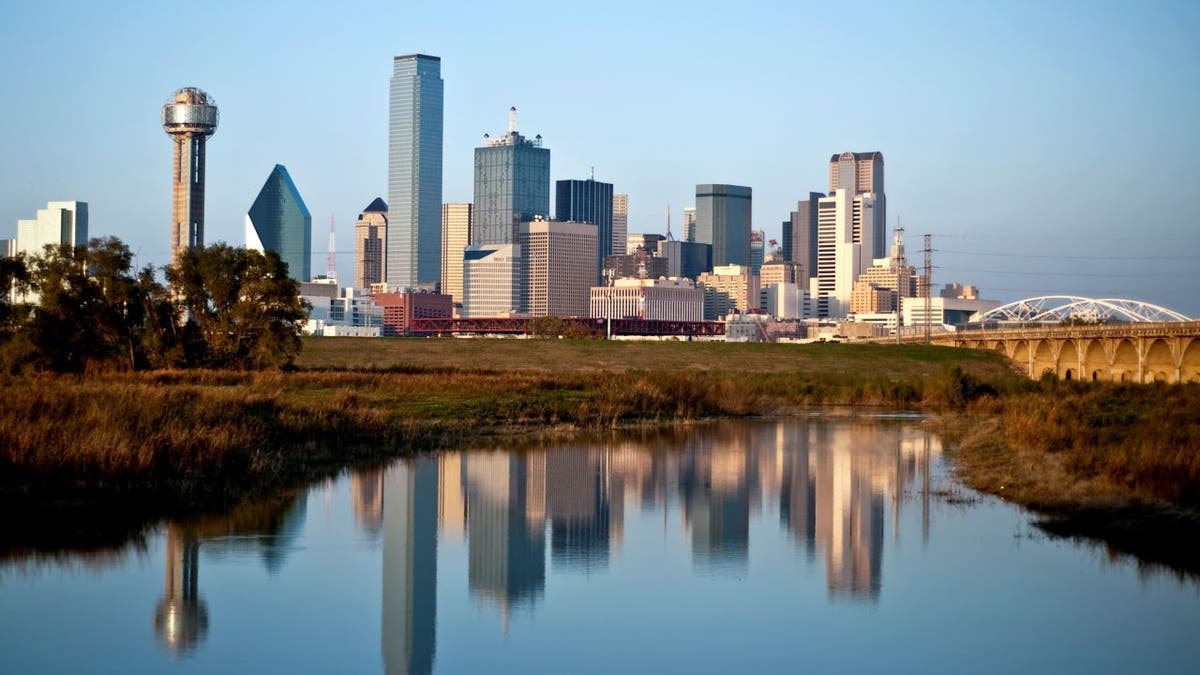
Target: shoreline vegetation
pixel 101 455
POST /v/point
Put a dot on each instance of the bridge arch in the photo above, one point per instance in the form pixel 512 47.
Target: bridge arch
pixel 1096 366
pixel 1045 358
pixel 1125 362
pixel 1067 365
pixel 1159 362
pixel 1020 356
pixel 1189 370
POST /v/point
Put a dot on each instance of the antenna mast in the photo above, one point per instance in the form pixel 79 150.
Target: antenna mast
pixel 331 259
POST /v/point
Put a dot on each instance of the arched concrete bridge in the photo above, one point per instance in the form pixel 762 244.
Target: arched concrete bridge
pixel 1166 351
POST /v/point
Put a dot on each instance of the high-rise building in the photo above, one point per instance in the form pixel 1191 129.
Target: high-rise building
pixel 640 264
pixel 492 278
pixel 512 184
pixel 723 220
pixel 58 223
pixel 758 250
pixel 190 117
pixel 620 225
pixel 279 221
pixel 686 259
pixel 882 286
pixel 588 201
pixel 689 223
pixel 845 239
pixel 414 242
pixel 728 289
pixel 646 242
pixel 862 174
pixel 456 236
pixel 370 234
pixel 558 268
pixel 800 233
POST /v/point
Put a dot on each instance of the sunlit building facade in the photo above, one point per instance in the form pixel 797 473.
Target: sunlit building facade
pixel 414 239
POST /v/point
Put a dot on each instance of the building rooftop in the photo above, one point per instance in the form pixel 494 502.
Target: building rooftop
pixel 405 57
pixel 377 206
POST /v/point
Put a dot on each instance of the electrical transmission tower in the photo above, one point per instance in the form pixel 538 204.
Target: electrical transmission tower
pixel 928 251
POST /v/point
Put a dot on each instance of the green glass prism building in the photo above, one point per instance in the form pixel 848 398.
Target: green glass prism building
pixel 279 221
pixel 414 235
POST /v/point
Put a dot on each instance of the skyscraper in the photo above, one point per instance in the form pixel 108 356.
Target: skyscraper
pixel 620 224
pixel 557 261
pixel 800 234
pixel 456 236
pixel 723 220
pixel 689 223
pixel 190 117
pixel 758 250
pixel 512 184
pixel 862 173
pixel 414 240
pixel 588 201
pixel 844 245
pixel 58 223
pixel 369 236
pixel 279 221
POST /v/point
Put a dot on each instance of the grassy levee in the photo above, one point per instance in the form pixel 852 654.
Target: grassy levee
pixel 1116 463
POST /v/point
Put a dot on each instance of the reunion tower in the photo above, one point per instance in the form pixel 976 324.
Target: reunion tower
pixel 190 117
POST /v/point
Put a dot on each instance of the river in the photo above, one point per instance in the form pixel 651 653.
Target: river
pixel 813 545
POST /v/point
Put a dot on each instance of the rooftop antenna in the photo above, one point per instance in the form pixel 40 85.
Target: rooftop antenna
pixel 330 260
pixel 670 237
pixel 593 173
pixel 512 120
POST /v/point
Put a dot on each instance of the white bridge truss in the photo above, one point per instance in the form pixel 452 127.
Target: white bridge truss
pixel 1058 308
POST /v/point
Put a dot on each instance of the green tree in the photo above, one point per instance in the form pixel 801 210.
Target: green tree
pixel 242 304
pixel 88 312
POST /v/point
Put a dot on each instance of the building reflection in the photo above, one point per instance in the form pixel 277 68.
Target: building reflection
pixel 409 623
pixel 268 526
pixel 366 499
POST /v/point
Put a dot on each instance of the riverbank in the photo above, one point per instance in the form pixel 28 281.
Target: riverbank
pixel 1113 463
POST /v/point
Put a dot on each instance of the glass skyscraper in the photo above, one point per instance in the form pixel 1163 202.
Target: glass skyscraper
pixel 723 220
pixel 588 201
pixel 512 185
pixel 279 221
pixel 414 233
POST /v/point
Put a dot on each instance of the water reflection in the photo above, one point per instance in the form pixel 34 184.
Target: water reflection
pixel 266 526
pixel 832 485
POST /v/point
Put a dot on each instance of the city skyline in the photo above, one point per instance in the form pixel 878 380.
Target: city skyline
pixel 972 111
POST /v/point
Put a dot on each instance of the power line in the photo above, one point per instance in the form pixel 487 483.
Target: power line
pixel 1088 237
pixel 1106 275
pixel 1073 257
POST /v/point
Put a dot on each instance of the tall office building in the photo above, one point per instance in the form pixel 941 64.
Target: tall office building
pixel 723 220
pixel 492 280
pixel 370 234
pixel 58 223
pixel 844 244
pixel 862 174
pixel 685 259
pixel 800 233
pixel 557 259
pixel 728 289
pixel 758 250
pixel 620 223
pixel 456 236
pixel 512 184
pixel 414 241
pixel 279 221
pixel 588 201
pixel 190 117
pixel 689 223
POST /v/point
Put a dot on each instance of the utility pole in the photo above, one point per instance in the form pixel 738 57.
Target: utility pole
pixel 928 285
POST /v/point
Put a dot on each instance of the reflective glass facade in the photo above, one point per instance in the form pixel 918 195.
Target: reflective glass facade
pixel 588 201
pixel 279 221
pixel 512 185
pixel 414 234
pixel 723 220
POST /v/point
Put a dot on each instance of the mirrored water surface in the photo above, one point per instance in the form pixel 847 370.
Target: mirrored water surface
pixel 766 546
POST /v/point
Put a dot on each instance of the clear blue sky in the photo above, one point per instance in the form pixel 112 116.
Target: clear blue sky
pixel 1011 128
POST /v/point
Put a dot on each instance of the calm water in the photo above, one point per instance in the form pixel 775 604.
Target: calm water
pixel 802 545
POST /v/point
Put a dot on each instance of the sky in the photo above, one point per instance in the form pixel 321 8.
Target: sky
pixel 1048 147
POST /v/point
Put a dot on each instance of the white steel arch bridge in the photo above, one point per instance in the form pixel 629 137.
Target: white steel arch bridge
pixel 1059 309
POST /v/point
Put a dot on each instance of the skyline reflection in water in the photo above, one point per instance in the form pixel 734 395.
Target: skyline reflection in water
pixel 730 547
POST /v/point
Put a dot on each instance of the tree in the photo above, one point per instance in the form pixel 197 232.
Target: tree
pixel 88 312
pixel 242 304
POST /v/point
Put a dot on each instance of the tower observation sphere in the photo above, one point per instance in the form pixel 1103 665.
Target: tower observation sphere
pixel 190 116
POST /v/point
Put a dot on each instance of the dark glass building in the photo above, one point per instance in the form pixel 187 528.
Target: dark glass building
pixel 686 259
pixel 279 221
pixel 723 220
pixel 512 185
pixel 588 201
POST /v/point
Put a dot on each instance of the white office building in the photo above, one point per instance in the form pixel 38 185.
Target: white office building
pixel 58 223
pixel 492 277
pixel 660 299
pixel 845 242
